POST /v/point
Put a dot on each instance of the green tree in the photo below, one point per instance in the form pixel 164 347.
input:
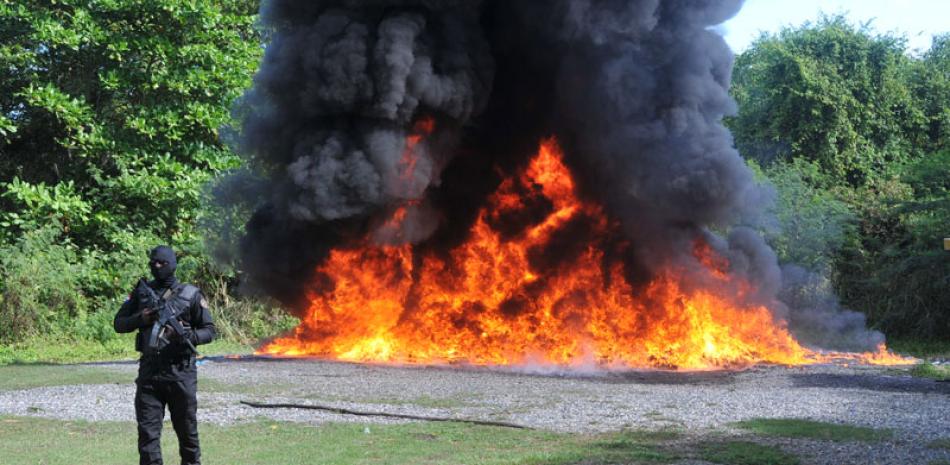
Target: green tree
pixel 110 109
pixel 831 93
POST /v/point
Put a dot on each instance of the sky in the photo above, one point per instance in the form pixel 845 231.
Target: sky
pixel 918 20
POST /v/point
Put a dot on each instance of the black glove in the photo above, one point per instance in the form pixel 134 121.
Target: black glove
pixel 190 334
pixel 149 316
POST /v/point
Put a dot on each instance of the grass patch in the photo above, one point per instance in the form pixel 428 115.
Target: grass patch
pixel 225 347
pixel 745 453
pixel 121 347
pixel 920 348
pixel 796 428
pixel 53 442
pixel 14 377
pixel 57 350
pixel 929 370
pixel 942 443
pixel 624 447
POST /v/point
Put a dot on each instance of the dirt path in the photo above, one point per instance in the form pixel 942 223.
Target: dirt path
pixel 706 403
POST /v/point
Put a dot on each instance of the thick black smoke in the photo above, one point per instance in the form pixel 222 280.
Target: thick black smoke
pixel 634 90
pixel 341 86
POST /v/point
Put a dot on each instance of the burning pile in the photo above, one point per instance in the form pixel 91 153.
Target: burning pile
pixel 493 300
pixel 507 183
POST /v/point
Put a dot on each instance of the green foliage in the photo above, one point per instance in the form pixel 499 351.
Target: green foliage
pixel 798 428
pixel 927 214
pixel 920 348
pixel 37 286
pixel 930 81
pixel 831 93
pixel 41 203
pixel 896 268
pixel 110 113
pixel 45 286
pixel 853 133
pixel 248 321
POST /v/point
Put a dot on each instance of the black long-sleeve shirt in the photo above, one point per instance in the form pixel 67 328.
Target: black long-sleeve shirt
pixel 175 361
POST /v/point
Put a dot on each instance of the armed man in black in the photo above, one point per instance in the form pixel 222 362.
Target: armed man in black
pixel 172 318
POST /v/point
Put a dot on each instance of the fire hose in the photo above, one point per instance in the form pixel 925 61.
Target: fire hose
pixel 344 411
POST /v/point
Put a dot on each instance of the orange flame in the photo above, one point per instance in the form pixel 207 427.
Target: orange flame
pixel 498 299
pixel 407 164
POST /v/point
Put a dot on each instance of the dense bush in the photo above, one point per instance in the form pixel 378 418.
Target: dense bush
pixel 896 269
pixel 930 81
pixel 38 282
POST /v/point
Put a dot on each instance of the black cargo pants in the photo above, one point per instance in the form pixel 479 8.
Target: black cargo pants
pixel 151 397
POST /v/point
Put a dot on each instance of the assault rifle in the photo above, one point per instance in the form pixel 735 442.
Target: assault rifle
pixel 167 318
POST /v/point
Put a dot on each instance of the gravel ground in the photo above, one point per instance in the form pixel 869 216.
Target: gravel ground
pixel 702 403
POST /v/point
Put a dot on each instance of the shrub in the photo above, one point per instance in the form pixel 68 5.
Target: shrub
pixel 39 286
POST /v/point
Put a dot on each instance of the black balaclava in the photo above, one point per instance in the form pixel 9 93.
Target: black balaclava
pixel 164 276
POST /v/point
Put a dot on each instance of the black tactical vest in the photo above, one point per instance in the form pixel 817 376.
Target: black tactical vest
pixel 179 298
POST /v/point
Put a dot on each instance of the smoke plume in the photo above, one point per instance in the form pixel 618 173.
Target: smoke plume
pixel 634 90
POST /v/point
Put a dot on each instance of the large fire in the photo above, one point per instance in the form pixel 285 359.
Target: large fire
pixel 501 299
